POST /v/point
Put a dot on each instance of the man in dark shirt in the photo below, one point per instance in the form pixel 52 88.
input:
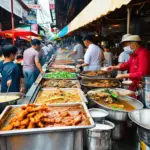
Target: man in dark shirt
pixel 9 70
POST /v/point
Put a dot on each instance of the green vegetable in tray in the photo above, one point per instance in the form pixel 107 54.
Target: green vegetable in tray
pixel 60 75
pixel 112 94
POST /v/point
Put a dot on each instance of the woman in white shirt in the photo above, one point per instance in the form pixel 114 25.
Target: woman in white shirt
pixel 92 56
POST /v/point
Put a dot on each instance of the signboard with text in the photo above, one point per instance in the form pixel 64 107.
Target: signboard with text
pixel 34 6
pixel 32 19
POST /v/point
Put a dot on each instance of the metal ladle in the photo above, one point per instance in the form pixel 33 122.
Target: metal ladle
pixel 7 92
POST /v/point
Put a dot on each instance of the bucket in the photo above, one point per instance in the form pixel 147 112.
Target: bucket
pixel 99 137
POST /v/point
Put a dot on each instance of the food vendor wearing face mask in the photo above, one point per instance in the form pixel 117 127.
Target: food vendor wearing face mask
pixel 137 65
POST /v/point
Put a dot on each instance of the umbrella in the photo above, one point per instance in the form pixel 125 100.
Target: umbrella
pixel 18 33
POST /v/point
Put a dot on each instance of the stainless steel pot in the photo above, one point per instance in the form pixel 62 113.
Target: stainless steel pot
pixel 142 119
pixel 98 138
pixel 12 102
pixel 119 131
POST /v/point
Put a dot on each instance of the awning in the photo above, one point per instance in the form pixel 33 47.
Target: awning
pixel 18 32
pixel 63 32
pixel 94 10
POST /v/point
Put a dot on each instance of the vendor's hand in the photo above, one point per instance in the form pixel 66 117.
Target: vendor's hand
pixel 9 82
pixel 110 69
pixel 121 76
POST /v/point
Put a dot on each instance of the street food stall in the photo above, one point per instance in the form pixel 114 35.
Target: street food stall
pixel 62 92
pixel 67 109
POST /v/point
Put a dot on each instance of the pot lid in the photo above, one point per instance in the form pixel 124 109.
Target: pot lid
pixel 141 118
pixel 98 113
pixel 103 127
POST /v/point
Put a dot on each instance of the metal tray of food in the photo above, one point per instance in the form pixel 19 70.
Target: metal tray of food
pixel 75 78
pixel 64 62
pixel 6 116
pixel 62 66
pixel 95 74
pixel 134 102
pixel 48 83
pixel 101 83
pixel 72 70
pixel 11 99
pixel 80 93
pixel 114 113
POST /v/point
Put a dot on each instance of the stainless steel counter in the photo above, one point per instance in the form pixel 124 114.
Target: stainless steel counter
pixel 46 141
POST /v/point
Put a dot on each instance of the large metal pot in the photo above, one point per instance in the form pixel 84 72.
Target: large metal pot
pixel 118 115
pixel 142 119
pixel 99 138
pixel 12 102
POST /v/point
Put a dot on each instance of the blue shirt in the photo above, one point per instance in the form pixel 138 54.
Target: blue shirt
pixel 123 57
pixel 10 71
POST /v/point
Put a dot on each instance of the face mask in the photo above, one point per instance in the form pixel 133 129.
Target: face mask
pixel 128 50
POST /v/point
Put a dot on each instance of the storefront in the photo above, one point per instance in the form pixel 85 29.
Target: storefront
pixel 20 12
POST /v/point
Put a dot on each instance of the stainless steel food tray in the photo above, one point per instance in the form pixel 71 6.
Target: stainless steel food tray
pixel 105 75
pixel 80 92
pixel 63 63
pixel 62 66
pixel 45 130
pixel 121 92
pixel 134 102
pixel 84 82
pixel 77 81
pixel 11 102
pixel 119 115
pixel 61 78
pixel 51 69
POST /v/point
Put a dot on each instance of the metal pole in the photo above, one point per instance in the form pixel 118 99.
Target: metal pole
pixel 128 20
pixel 12 21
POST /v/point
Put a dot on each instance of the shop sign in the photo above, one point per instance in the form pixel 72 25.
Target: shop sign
pixel 34 6
pixel 32 17
pixel 6 4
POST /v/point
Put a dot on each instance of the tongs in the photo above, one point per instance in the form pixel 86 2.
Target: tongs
pixel 7 92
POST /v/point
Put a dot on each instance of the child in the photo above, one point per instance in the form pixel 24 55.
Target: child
pixel 9 70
